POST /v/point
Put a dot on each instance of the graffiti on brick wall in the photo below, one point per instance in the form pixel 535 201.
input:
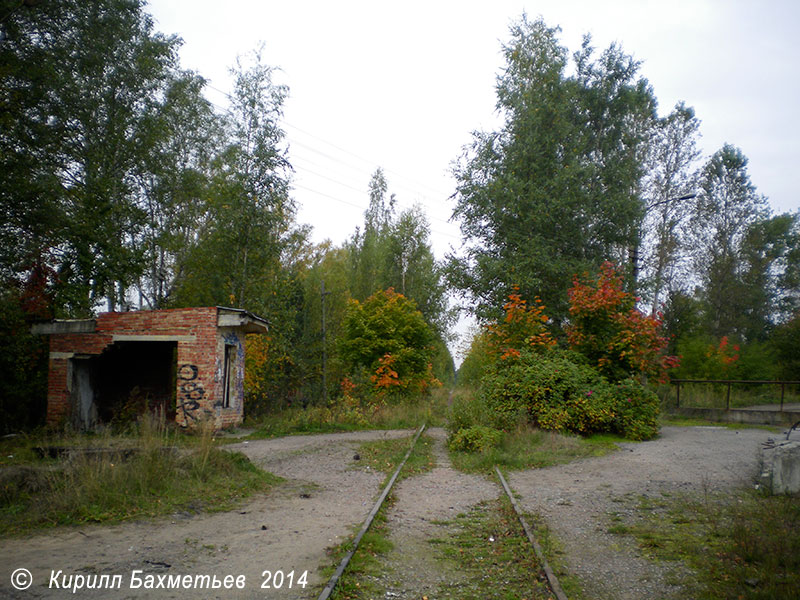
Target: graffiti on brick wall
pixel 191 393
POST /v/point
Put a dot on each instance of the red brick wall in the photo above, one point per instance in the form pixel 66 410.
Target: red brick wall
pixel 199 363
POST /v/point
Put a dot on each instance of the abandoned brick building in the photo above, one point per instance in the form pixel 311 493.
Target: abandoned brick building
pixel 188 362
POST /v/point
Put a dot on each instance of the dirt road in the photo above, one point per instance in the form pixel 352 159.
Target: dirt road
pixel 324 496
pixel 327 493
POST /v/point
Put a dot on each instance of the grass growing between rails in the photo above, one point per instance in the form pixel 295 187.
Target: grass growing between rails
pixel 153 477
pixel 431 409
pixel 742 545
pixel 493 558
pixel 385 455
pixel 527 448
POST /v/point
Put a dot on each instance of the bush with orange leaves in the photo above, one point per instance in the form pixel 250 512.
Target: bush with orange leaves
pixel 522 327
pixel 722 357
pixel 606 327
pixel 387 342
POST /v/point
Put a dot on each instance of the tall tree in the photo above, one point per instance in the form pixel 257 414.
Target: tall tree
pixel 367 246
pixel 394 251
pixel 668 187
pixel 175 183
pixel 726 209
pixel 82 77
pixel 554 192
pixel 411 268
pixel 249 216
pixel 770 281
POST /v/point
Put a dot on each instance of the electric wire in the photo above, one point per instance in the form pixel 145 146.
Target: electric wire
pixel 423 197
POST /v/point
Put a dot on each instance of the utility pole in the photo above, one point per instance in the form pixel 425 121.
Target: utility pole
pixel 323 293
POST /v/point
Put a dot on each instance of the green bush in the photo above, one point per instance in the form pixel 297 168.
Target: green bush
pixel 477 438
pixel 554 392
pixel 468 409
pixel 636 410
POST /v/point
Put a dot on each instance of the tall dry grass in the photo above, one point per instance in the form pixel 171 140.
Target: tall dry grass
pixel 150 471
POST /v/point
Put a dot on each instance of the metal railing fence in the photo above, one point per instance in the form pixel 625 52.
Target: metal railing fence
pixel 729 383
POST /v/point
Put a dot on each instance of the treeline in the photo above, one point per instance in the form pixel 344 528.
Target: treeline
pixel 122 187
pixel 584 171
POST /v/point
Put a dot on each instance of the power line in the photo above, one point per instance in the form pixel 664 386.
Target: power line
pixel 292 141
pixel 419 183
pixel 346 151
pixel 362 207
pixel 348 186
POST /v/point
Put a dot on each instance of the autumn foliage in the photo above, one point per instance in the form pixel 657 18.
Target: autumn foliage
pixel 522 327
pixel 722 356
pixel 607 328
pixel 387 342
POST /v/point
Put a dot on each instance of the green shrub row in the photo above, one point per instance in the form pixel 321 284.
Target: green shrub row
pixel 553 390
pixel 557 391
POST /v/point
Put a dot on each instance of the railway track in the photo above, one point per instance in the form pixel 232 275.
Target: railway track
pixel 330 587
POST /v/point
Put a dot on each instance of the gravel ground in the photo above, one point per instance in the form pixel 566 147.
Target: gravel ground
pixel 576 500
pixel 421 506
pixel 327 493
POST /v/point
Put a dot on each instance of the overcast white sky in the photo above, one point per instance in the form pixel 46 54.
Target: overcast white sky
pixel 402 84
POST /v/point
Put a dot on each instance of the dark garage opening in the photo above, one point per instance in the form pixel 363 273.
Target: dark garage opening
pixel 127 380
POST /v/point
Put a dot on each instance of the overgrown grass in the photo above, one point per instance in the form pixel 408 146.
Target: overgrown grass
pixel 492 556
pixel 328 419
pixel 385 455
pixel 527 448
pixel 159 471
pixel 741 544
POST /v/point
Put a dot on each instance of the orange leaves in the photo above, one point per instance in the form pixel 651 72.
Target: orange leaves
pixel 607 327
pixel 387 340
pixel 523 326
pixel 348 387
pixel 385 376
pixel 724 355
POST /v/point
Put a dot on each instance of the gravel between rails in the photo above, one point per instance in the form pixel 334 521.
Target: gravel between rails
pixel 576 499
pixel 422 505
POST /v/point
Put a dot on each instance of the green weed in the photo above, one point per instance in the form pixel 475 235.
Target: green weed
pixel 741 544
pixel 385 455
pixel 493 558
pixel 526 448
pixel 431 409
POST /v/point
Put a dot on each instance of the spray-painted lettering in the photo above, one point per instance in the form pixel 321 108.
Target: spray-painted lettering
pixel 191 392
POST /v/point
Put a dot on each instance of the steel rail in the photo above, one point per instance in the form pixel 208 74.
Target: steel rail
pixel 328 590
pixel 551 577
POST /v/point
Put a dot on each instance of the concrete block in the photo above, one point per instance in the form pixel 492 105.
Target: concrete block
pixel 781 467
